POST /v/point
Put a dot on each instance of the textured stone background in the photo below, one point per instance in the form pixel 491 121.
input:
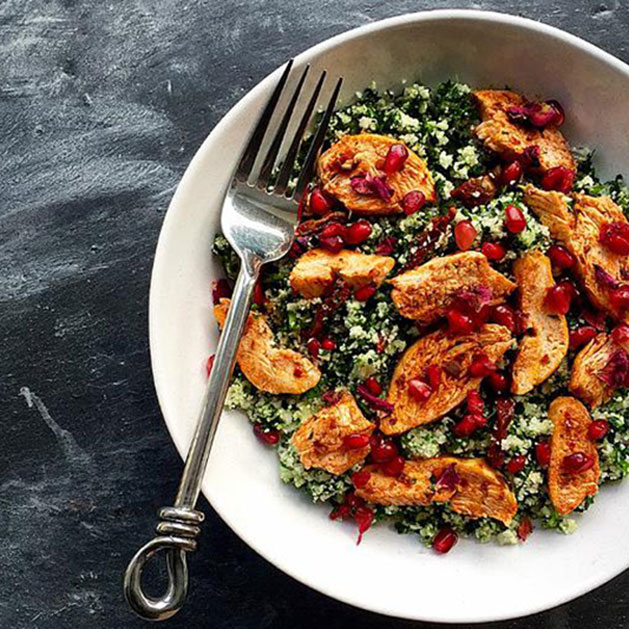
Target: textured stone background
pixel 102 105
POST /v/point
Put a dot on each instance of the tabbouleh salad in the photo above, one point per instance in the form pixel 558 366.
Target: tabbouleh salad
pixel 356 338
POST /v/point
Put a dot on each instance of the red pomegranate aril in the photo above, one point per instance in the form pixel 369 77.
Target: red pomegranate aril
pixel 444 540
pixel 433 374
pixel 480 420
pixel 268 436
pixel 615 237
pixel 504 315
pixel 358 232
pixel 459 323
pixel 333 229
pixel 560 257
pixel 516 464
pixel 328 344
pixel 364 293
pixel 413 201
pixel 619 298
pixel 560 116
pixel 474 403
pixel 386 247
pixel 419 390
pixel 464 234
pixel 220 289
pixel 620 335
pixel 209 364
pixel 542 453
pixel 395 159
pixel 364 518
pixel 320 203
pixel 514 219
pixel 383 450
pixel 577 463
pixel 481 366
pixel 341 512
pixel 558 178
pixel 360 478
pixel 331 243
pixel 558 299
pixel 511 173
pixel 581 336
pixel 373 386
pixel 466 427
pixel 354 442
pixel 493 251
pixel 498 382
pixel 394 467
pixel 353 501
pixel 313 347
pixel 598 429
pixel 525 529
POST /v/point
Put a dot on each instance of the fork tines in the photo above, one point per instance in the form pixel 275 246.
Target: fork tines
pixel 269 163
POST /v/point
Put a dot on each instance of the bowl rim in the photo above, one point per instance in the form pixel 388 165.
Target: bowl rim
pixel 159 374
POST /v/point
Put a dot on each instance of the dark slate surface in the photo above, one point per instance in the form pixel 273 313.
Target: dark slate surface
pixel 102 105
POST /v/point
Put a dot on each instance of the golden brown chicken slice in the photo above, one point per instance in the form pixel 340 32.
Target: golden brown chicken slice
pixel 587 369
pixel 543 349
pixel 511 139
pixel 470 486
pixel 578 229
pixel 320 440
pixel 317 270
pixel 568 485
pixel 426 293
pixel 269 368
pixel 361 158
pixel 454 355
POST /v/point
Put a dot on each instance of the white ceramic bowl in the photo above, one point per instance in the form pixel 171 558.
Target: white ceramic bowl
pixel 387 573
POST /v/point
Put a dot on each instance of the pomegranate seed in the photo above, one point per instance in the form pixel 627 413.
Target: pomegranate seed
pixel 358 232
pixel 474 403
pixel 558 178
pixel 364 293
pixel 620 335
pixel 395 159
pixel 560 116
pixel 209 364
pixel 525 529
pixel 516 464
pixel 514 219
pixel 328 344
pixel 268 436
pixel 498 382
pixel 619 298
pixel 598 429
pixel 504 315
pixel 364 518
pixel 557 299
pixel 320 203
pixel 258 295
pixel 493 250
pixel 511 173
pixel 220 290
pixel 383 450
pixel 542 453
pixel 334 229
pixel 615 237
pixel 394 467
pixel 313 347
pixel 459 323
pixel 466 427
pixel 560 257
pixel 353 501
pixel 444 540
pixel 481 366
pixel 386 247
pixel 581 336
pixel 464 234
pixel 373 386
pixel 413 201
pixel 340 513
pixel 419 390
pixel 360 478
pixel 577 463
pixel 355 442
pixel 333 243
pixel 433 373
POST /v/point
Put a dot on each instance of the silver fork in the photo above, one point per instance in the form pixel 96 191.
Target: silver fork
pixel 258 219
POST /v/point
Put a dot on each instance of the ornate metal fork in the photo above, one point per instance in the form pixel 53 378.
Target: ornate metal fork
pixel 258 219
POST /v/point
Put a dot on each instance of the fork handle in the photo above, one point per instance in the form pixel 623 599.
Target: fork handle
pixel 180 525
